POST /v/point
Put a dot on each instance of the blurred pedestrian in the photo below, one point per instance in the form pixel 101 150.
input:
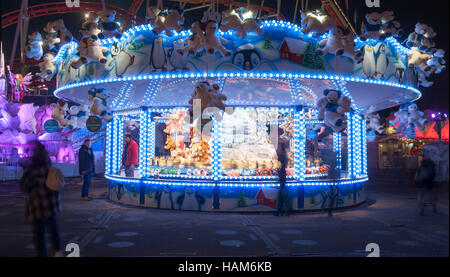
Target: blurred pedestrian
pixel 42 204
pixel 130 155
pixel 424 177
pixel 283 158
pixel 86 167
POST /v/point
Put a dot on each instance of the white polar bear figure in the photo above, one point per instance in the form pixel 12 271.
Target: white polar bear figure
pixel 90 50
pixel 34 47
pixel 212 41
pixel 232 21
pixel 340 42
pixel 316 23
pixel 415 117
pixel 373 121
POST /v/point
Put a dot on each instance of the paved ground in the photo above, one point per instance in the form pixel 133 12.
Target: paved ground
pixel 103 228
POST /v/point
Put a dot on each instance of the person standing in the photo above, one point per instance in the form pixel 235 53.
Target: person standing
pixel 425 175
pixel 42 204
pixel 283 144
pixel 86 167
pixel 130 155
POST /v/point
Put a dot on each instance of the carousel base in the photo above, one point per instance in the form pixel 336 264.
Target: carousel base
pixel 251 196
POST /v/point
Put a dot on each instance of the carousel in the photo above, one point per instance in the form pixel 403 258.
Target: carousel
pixel 207 106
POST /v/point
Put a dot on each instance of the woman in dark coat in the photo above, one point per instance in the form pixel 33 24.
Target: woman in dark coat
pixel 42 204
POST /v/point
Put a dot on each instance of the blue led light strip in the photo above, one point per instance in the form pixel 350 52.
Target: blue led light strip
pixel 216 142
pixel 364 146
pixel 231 184
pixel 109 146
pixel 299 145
pixel 337 148
pixel 143 142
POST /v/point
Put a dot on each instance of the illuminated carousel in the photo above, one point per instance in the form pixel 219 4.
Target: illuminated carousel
pixel 207 107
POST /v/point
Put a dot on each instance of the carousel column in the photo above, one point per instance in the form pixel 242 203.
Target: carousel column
pixel 299 144
pixel 117 143
pixel 364 146
pixel 143 142
pixel 216 160
pixel 350 145
pixel 109 148
pixel 337 148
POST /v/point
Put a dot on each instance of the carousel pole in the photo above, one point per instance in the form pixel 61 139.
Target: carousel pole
pixel 295 11
pixel 16 36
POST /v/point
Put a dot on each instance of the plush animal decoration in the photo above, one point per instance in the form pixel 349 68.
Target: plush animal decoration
pixel 51 37
pixel 173 22
pixel 390 27
pixel 47 66
pixel 153 16
pixel 90 26
pixel 232 21
pixel 415 117
pixel 176 57
pixel 209 96
pixel 316 23
pixel 340 42
pixel 212 41
pixel 418 60
pixel 437 62
pixel 34 47
pixel 422 38
pixel 401 119
pixel 170 144
pixel 83 115
pixel 373 121
pixel 99 105
pixel 176 123
pixel 64 35
pixel 90 50
pixel 59 113
pixel 196 42
pixel 109 28
pixel 72 119
pixel 332 108
pixel 372 27
pixel 288 128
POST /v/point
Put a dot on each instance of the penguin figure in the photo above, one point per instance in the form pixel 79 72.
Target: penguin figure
pixel 400 74
pixel 369 61
pixel 177 60
pixel 381 61
pixel 246 57
pixel 158 55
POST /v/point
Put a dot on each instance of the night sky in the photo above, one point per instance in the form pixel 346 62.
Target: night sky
pixel 407 12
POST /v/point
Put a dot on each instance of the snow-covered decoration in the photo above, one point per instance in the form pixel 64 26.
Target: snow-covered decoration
pixel 34 48
pixel 373 121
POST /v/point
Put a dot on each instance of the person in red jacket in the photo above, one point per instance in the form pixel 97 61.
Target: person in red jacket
pixel 130 155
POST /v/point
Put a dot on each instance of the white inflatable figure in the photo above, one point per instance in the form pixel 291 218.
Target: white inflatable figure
pixel 90 26
pixel 109 28
pixel 173 22
pixel 51 37
pixel 90 50
pixel 332 108
pixel 415 117
pixel 401 119
pixel 418 61
pixel 47 66
pixel 340 42
pixel 232 21
pixel 158 57
pixel 213 42
pixel 437 62
pixel 373 121
pixel 176 58
pixel 369 66
pixel 316 23
pixel 34 48
pixel 59 113
pixel 64 35
pixel 27 119
pixel 72 119
pixel 196 41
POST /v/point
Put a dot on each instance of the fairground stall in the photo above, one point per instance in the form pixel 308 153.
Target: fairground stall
pixel 255 83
